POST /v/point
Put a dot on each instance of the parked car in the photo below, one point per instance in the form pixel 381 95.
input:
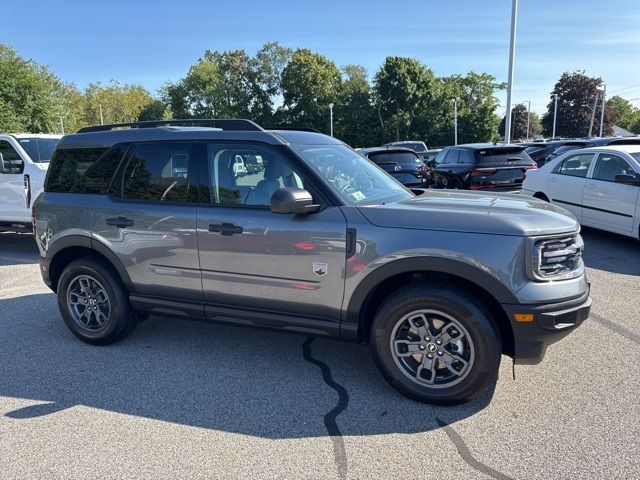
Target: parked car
pixel 430 155
pixel 239 168
pixel 416 145
pixel 481 166
pixel 440 285
pixel 24 159
pixel 401 163
pixel 599 185
pixel 539 152
pixel 592 142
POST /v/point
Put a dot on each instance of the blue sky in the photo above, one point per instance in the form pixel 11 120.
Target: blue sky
pixel 151 42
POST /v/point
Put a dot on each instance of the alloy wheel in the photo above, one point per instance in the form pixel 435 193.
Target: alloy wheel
pixel 88 303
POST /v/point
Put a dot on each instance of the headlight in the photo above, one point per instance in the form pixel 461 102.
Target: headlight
pixel 555 258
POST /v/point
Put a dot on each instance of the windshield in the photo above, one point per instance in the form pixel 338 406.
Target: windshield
pixel 39 149
pixel 391 158
pixel 356 180
pixel 636 155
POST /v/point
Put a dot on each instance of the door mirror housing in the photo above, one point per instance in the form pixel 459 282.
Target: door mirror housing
pixel 628 179
pixel 290 200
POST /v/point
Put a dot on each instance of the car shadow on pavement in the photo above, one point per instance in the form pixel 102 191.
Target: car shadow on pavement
pixel 18 248
pixel 234 379
pixel 611 252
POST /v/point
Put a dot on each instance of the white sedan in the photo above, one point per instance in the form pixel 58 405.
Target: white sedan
pixel 599 185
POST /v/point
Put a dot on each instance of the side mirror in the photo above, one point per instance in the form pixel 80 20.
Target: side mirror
pixel 293 201
pixel 628 179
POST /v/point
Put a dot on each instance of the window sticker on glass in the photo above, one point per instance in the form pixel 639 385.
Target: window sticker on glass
pixel 358 195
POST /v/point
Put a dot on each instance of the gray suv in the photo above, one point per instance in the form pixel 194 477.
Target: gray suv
pixel 150 219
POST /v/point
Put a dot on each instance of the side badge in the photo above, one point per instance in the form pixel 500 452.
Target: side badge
pixel 320 269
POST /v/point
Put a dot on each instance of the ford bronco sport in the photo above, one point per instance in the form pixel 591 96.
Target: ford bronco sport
pixel 149 219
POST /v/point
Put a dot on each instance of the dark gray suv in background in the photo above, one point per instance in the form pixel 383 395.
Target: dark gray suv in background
pixel 149 218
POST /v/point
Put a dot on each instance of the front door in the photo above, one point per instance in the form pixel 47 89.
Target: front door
pixel 12 194
pixel 149 221
pixel 608 204
pixel 566 183
pixel 254 259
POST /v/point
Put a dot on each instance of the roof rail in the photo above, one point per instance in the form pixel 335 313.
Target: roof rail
pixel 237 124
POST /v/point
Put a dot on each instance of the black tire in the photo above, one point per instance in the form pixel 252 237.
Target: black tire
pixel 456 184
pixel 481 371
pixel 121 319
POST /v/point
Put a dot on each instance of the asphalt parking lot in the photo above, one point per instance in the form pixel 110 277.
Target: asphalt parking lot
pixel 183 399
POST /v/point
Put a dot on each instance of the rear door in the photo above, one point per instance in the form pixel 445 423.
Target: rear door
pixel 259 262
pixel 149 220
pixel 565 184
pixel 608 204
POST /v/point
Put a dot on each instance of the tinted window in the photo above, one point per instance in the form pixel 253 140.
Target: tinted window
pixel 227 184
pixel 608 166
pixel 465 156
pixel 158 172
pixel 452 156
pixel 39 149
pixel 98 176
pixel 397 157
pixel 440 156
pixel 68 166
pixel 503 155
pixel 575 165
pixel 566 148
pixel 12 162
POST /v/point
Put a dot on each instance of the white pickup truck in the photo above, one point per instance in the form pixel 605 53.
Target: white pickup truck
pixel 24 159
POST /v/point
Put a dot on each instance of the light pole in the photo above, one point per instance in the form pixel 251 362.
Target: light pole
pixel 101 120
pixel 528 118
pixel 555 112
pixel 331 118
pixel 604 93
pixel 512 55
pixel 455 121
pixel 593 113
pixel 62 124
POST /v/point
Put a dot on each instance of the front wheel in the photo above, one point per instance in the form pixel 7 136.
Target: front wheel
pixel 436 344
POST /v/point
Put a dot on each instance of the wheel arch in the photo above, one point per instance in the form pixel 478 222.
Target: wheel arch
pixel 380 283
pixel 73 247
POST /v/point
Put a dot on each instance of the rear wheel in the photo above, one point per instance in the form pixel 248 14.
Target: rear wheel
pixel 93 302
pixel 436 344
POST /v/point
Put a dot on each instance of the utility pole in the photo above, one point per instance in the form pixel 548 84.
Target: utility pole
pixel 593 114
pixel 512 55
pixel 62 124
pixel 528 118
pixel 604 94
pixel 455 121
pixel 331 118
pixel 101 120
pixel 555 112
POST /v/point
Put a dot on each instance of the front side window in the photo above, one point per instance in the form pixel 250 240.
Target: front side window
pixel 158 172
pixel 354 179
pixel 453 156
pixel 439 158
pixel 608 166
pixel 575 165
pixel 246 175
pixel 11 161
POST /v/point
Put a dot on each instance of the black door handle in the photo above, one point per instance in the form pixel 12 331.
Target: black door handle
pixel 225 228
pixel 120 222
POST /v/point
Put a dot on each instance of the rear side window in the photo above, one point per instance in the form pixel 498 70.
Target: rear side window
pixel 68 167
pixel 159 173
pixel 465 157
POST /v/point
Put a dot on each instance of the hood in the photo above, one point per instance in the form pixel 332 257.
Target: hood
pixel 473 212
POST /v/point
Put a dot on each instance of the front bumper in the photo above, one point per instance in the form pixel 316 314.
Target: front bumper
pixel 551 322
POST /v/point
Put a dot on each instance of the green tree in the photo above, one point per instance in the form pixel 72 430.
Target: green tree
pixel 404 88
pixel 576 93
pixel 519 115
pixel 310 82
pixel 624 111
pixel 29 94
pixel 355 117
pixel 119 103
pixel 154 110
pixel 268 65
